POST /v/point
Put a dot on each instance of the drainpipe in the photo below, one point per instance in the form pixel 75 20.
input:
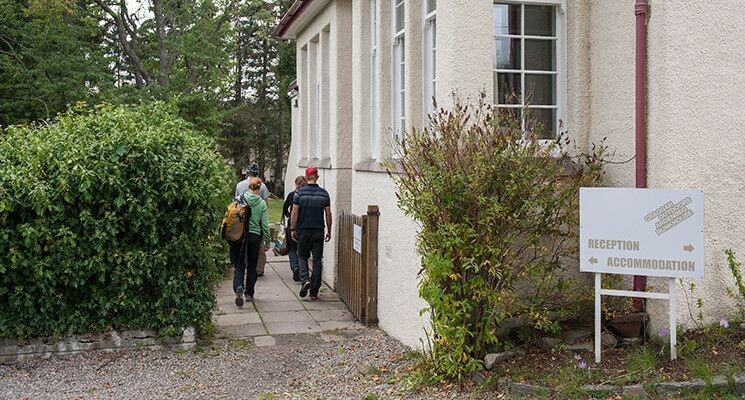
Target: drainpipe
pixel 640 9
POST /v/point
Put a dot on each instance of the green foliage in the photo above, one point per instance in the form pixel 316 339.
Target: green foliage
pixel 499 214
pixel 642 360
pixel 108 218
pixel 50 56
pixel 736 269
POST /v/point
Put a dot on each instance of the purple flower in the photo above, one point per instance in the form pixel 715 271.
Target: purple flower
pixel 582 365
pixel 724 323
pixel 664 332
pixel 578 357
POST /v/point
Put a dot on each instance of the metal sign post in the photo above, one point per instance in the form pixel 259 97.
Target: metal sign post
pixel 647 232
pixel 672 310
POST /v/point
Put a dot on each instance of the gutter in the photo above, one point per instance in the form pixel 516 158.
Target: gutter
pixel 290 17
pixel 641 8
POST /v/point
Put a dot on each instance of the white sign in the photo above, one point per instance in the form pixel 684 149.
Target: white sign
pixel 648 232
pixel 357 238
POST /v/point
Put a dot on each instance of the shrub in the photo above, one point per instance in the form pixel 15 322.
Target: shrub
pixel 108 218
pixel 499 212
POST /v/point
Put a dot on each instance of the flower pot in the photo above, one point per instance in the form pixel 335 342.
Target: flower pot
pixel 629 325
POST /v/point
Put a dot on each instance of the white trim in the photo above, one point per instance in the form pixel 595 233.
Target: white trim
pixel 429 50
pixel 374 142
pixel 398 92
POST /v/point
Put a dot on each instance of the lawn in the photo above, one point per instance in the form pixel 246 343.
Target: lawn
pixel 275 210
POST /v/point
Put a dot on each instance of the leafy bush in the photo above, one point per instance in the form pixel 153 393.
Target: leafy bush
pixel 108 218
pixel 499 212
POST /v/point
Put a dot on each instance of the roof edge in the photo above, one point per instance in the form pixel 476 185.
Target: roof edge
pixel 296 9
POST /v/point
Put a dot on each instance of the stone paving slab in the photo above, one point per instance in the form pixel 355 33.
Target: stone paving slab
pixel 282 305
pixel 265 341
pixel 286 316
pixel 238 319
pixel 241 331
pixel 286 328
pixel 278 309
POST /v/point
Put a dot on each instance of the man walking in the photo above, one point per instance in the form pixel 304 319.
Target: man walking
pixel 311 213
pixel 240 190
pixel 289 242
pixel 242 187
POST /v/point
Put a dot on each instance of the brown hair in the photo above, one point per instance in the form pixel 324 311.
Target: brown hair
pixel 300 180
pixel 254 184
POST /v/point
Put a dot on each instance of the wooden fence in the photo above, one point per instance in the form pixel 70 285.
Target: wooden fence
pixel 357 264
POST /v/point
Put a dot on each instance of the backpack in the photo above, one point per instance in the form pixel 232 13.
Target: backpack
pixel 234 223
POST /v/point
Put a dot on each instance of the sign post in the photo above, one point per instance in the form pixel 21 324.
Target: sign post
pixel 647 232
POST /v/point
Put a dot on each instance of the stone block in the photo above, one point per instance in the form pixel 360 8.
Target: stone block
pixel 524 389
pixel 667 389
pixel 495 358
pixel 549 343
pixel 740 384
pixel 575 335
pixel 265 341
pixel 634 392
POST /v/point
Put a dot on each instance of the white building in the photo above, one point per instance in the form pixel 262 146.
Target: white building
pixel 367 69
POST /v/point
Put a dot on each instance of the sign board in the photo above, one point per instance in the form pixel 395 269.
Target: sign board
pixel 650 232
pixel 357 243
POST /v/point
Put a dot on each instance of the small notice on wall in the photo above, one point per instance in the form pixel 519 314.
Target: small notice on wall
pixel 357 238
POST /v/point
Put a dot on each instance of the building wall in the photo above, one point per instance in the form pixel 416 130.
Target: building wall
pixel 695 122
pixel 325 117
pixel 696 125
pixel 695 128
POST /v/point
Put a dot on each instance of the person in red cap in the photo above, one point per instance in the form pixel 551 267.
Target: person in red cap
pixel 311 216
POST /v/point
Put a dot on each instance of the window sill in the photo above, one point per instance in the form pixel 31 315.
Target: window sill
pixel 376 166
pixel 314 162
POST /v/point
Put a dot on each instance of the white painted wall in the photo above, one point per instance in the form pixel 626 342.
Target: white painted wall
pixel 696 86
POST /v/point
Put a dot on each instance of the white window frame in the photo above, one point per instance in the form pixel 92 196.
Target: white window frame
pixel 561 68
pixel 430 56
pixel 374 145
pixel 399 76
pixel 319 97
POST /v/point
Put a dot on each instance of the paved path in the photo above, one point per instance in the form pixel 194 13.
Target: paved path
pixel 278 309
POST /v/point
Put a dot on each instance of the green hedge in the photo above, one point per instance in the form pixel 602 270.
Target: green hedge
pixel 108 218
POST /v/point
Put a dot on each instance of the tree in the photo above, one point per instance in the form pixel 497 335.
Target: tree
pixel 259 127
pixel 173 50
pixel 50 56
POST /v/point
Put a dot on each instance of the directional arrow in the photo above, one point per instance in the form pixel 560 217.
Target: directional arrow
pixel 593 260
pixel 688 248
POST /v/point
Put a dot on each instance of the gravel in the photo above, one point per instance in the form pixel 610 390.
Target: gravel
pixel 367 363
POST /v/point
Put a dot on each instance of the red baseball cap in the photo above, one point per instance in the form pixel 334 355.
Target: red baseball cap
pixel 311 171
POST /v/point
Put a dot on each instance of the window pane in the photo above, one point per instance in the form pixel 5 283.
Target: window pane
pixel 539 21
pixel 507 88
pixel 507 54
pixel 506 19
pixel 400 17
pixel 431 6
pixel 541 122
pixel 540 55
pixel 540 90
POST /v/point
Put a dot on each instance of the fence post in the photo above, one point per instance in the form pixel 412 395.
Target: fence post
pixel 371 265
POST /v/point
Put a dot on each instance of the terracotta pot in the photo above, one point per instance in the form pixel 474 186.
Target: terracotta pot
pixel 629 325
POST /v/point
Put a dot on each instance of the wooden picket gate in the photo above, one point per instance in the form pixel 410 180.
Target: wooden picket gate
pixel 357 264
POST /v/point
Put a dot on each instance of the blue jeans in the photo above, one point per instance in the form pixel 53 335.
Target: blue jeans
pixel 310 242
pixel 292 253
